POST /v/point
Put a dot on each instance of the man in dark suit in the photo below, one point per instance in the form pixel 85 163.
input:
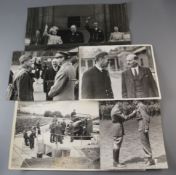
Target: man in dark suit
pixel 74 36
pixel 96 34
pixel 96 83
pixel 48 77
pixel 137 81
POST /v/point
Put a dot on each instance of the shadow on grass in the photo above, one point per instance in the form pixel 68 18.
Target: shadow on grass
pixel 161 159
pixel 134 160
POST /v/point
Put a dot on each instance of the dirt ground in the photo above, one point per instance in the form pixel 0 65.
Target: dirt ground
pixel 79 154
pixel 131 151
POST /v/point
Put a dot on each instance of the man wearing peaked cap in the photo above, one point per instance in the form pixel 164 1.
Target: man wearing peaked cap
pixel 23 80
pixel 64 82
pixel 96 82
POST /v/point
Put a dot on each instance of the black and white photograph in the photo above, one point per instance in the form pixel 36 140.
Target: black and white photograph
pixel 44 76
pixel 55 136
pixel 118 72
pixel 131 135
pixel 67 26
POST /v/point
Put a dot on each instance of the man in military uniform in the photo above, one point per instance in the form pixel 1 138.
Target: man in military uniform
pixel 63 126
pixel 96 34
pixel 118 117
pixel 23 80
pixel 96 82
pixel 143 119
pixel 64 82
pixel 74 36
pixel 52 128
pixel 58 133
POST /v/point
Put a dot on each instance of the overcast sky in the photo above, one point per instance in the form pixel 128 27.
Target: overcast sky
pixel 64 107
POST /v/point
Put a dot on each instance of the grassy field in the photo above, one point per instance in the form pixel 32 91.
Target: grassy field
pixel 131 150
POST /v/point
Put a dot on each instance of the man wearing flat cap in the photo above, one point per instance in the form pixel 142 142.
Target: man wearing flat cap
pixel 137 81
pixel 23 80
pixel 64 82
pixel 96 82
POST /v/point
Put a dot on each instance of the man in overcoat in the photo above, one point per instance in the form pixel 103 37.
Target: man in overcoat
pixel 64 82
pixel 23 80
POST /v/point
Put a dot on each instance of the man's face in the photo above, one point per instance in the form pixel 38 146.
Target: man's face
pixel 37 32
pixel 29 64
pixel 55 64
pixel 116 29
pixel 73 28
pixel 60 58
pixel 104 62
pixel 95 24
pixel 131 62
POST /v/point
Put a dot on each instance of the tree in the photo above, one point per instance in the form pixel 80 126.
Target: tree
pixel 48 114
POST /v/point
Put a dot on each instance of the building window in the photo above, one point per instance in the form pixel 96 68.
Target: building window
pixel 90 63
pixel 76 20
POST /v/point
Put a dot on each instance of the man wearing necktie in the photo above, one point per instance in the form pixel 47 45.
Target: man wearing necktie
pixel 96 82
pixel 137 81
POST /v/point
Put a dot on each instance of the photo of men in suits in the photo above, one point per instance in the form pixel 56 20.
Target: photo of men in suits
pixel 137 81
pixel 129 72
pixel 96 82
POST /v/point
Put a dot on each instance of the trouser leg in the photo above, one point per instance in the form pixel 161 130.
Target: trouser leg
pixel 116 148
pixel 146 144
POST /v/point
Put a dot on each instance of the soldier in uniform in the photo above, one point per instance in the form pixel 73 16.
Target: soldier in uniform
pixel 26 137
pixel 63 126
pixel 64 82
pixel 118 117
pixel 143 121
pixel 23 80
pixel 58 133
pixel 52 128
pixel 96 82
pixel 32 137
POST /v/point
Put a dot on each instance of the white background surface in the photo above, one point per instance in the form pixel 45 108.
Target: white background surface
pixel 151 22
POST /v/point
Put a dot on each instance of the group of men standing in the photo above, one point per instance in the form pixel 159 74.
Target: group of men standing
pixel 29 138
pixel 57 131
pixel 59 80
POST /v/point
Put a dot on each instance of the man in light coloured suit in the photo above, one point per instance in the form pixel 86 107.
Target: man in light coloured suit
pixel 64 82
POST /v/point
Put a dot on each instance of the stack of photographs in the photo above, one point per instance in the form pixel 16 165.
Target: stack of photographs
pixel 86 98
